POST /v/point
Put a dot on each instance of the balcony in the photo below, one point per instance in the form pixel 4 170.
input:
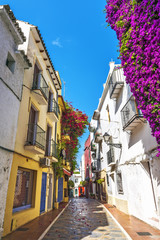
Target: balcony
pixel 35 139
pixel 94 167
pixel 131 115
pixel 110 157
pixel 51 151
pixel 93 147
pixel 98 138
pixel 116 83
pixel 91 128
pixel 66 164
pixel 40 90
pixel 53 111
pixel 96 115
pixel 98 135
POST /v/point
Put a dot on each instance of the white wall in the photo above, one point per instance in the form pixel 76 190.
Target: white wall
pixel 82 168
pixel 76 184
pixel 140 186
pixel 11 91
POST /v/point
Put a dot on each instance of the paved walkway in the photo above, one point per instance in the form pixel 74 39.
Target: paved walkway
pixel 85 219
pixel 34 229
pixel 137 229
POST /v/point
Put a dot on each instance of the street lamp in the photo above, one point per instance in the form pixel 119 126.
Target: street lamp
pixel 106 138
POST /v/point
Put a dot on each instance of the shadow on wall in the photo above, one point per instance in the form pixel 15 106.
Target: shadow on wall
pixel 143 133
pixel 119 101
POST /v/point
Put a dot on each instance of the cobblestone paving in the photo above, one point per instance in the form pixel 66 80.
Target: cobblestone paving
pixel 84 219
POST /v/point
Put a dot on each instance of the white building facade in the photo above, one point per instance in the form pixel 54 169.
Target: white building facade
pixel 76 178
pixel 82 168
pixel 127 152
pixel 12 65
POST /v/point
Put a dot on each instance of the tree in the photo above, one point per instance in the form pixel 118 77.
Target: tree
pixel 70 184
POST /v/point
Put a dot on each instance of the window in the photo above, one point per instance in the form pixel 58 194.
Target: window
pixel 36 76
pixel 10 63
pixel 119 183
pixel 32 126
pixel 23 190
pixel 76 180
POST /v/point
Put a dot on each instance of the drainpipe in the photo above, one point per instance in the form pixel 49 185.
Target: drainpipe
pixel 154 196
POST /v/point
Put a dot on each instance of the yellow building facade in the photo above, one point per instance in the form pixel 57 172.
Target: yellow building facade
pixel 66 165
pixel 31 185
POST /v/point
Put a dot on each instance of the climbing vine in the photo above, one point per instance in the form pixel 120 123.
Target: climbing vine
pixel 137 25
pixel 74 123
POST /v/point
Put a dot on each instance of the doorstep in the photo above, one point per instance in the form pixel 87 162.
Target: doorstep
pixel 136 229
pixel 35 228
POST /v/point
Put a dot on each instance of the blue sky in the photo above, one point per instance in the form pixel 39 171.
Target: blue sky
pixel 79 45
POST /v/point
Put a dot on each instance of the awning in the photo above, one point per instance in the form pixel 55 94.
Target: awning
pixel 66 172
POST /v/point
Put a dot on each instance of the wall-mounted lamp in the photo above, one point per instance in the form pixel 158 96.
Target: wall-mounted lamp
pixel 106 138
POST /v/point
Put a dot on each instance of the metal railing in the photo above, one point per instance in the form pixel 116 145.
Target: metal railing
pixel 110 155
pixel 116 78
pixel 36 136
pixel 93 147
pixel 39 83
pixel 53 107
pixel 95 166
pixel 51 149
pixel 54 149
pixel 130 112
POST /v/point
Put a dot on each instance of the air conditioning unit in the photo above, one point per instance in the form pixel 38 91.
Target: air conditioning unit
pixel 45 162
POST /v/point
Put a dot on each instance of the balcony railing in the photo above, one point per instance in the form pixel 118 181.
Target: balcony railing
pixel 131 115
pixel 51 150
pixel 36 136
pixel 116 82
pixel 91 128
pixel 110 156
pixel 98 137
pixel 95 166
pixel 39 83
pixel 54 108
pixel 93 147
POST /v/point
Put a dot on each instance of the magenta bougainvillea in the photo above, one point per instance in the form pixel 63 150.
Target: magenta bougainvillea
pixel 74 123
pixel 137 25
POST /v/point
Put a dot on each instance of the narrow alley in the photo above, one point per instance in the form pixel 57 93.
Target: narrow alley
pixel 85 219
pixel 80 138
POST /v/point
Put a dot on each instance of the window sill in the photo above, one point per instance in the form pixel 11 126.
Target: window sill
pixel 22 209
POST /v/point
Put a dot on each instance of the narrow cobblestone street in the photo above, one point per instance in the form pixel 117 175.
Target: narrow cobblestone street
pixel 85 219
